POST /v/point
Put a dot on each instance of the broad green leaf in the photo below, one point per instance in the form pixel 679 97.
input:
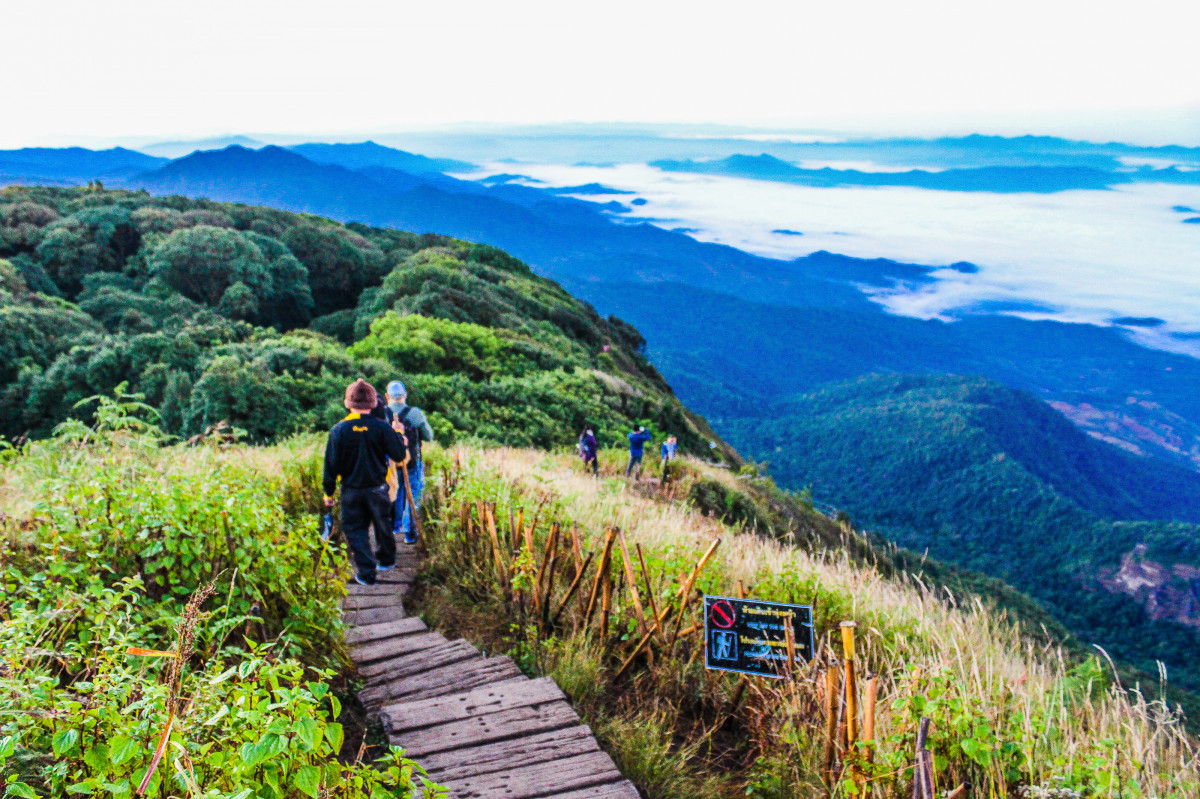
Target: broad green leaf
pixel 22 790
pixel 97 757
pixel 308 780
pixel 308 732
pixel 64 741
pixel 121 749
pixel 335 734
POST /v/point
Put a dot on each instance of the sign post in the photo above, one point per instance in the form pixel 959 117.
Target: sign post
pixel 751 637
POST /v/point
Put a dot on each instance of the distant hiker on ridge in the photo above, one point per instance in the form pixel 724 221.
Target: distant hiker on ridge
pixel 589 450
pixel 637 443
pixel 669 447
pixel 416 429
pixel 357 452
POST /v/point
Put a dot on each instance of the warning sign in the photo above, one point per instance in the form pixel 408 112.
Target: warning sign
pixel 748 636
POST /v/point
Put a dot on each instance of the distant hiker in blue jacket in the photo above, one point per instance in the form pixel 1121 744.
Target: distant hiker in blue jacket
pixel 589 450
pixel 669 447
pixel 637 443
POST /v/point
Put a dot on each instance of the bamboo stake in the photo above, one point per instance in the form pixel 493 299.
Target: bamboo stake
pixel 685 592
pixel 606 604
pixel 501 570
pixel 831 690
pixel 578 549
pixel 629 578
pixel 869 713
pixel 640 645
pixel 549 595
pixel 789 637
pixel 741 590
pixel 547 557
pixel 649 587
pixel 571 591
pixel 851 686
pixel 601 573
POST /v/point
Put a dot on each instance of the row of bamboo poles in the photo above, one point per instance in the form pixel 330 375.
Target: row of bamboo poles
pixel 552 583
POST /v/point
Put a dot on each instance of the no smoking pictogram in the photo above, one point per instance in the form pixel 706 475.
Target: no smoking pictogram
pixel 722 614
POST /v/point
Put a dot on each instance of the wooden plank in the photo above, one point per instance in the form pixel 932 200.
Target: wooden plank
pixel 398 575
pixel 389 600
pixel 373 615
pixel 485 729
pixel 514 753
pixel 594 769
pixel 411 715
pixel 367 656
pixel 613 790
pixel 440 680
pixel 379 589
pixel 385 630
pixel 388 670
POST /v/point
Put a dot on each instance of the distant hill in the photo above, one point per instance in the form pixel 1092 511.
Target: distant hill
pixel 1000 179
pixel 72 165
pixel 995 480
pixel 176 149
pixel 368 153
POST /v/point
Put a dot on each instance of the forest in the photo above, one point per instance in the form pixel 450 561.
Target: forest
pixel 257 318
pixel 994 480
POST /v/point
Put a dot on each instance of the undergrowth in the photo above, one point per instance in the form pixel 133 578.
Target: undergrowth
pixel 169 624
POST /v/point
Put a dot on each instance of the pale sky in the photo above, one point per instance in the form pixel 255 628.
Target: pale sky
pixel 90 71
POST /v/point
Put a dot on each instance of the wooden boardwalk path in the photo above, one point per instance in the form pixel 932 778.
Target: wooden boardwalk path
pixel 475 723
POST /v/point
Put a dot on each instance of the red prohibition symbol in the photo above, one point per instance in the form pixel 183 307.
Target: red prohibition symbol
pixel 722 614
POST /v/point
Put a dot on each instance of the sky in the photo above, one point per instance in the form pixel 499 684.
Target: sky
pixel 84 72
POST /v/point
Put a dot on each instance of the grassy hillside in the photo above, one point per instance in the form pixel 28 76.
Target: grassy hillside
pixel 256 317
pixel 994 480
pixel 1008 712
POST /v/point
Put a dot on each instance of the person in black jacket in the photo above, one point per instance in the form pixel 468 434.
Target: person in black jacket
pixel 357 452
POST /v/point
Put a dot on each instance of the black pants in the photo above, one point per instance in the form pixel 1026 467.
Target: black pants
pixel 593 464
pixel 634 461
pixel 363 508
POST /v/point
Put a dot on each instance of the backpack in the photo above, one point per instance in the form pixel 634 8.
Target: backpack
pixel 410 434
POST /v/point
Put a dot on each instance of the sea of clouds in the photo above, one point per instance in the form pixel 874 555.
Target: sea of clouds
pixel 1083 256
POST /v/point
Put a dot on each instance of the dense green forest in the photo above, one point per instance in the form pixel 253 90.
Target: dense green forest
pixel 994 480
pixel 258 317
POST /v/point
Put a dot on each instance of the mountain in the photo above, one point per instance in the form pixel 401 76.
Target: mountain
pixel 177 149
pixel 1000 179
pixel 72 164
pixel 368 153
pixel 257 318
pixel 982 475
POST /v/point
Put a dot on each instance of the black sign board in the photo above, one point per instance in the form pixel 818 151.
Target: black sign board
pixel 747 636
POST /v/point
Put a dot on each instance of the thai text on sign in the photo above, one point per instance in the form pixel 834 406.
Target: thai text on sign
pixel 749 636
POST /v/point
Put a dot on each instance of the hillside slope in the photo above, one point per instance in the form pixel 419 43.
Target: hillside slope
pixel 993 479
pixel 257 317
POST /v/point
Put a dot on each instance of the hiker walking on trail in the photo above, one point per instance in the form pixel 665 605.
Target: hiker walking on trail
pixel 357 452
pixel 589 450
pixel 669 447
pixel 637 443
pixel 416 429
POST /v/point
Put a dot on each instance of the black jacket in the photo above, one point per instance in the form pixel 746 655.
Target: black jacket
pixel 357 452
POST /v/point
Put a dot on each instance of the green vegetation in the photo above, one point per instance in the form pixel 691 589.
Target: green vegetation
pixel 217 312
pixel 1009 712
pixel 114 544
pixel 995 481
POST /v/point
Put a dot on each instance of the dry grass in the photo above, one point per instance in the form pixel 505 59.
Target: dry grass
pixel 1067 720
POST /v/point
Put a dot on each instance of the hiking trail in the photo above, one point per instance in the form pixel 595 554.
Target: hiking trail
pixel 476 724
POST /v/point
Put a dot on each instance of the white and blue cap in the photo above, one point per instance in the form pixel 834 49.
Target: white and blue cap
pixel 396 389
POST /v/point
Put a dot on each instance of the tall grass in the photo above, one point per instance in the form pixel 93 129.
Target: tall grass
pixel 1009 713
